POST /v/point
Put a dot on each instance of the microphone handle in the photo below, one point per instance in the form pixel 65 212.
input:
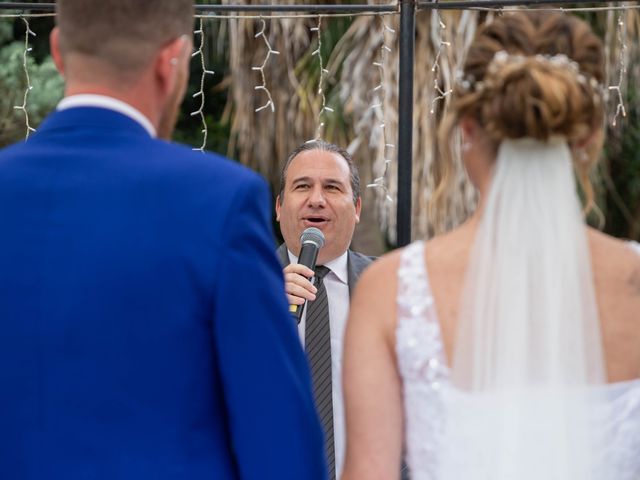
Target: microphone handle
pixel 308 257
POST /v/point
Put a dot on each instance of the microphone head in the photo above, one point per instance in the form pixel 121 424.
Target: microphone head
pixel 312 235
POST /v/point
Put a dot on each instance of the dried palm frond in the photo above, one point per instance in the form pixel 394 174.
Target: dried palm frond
pixel 362 45
pixel 263 139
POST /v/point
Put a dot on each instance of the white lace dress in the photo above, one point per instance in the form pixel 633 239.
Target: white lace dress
pixel 425 376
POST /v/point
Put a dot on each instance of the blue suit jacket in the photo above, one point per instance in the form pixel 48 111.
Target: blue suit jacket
pixel 144 331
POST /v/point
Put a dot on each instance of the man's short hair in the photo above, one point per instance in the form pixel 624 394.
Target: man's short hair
pixel 323 146
pixel 123 34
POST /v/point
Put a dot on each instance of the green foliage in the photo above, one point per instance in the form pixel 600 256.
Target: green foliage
pixel 46 92
pixel 620 182
pixel 42 98
pixel 189 128
pixel 6 30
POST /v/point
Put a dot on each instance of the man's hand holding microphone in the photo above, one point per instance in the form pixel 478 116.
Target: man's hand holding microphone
pixel 298 276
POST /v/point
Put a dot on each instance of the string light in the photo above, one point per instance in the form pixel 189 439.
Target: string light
pixel 440 94
pixel 323 71
pixel 270 51
pixel 28 32
pixel 226 16
pixel 200 93
pixel 620 109
pixel 381 181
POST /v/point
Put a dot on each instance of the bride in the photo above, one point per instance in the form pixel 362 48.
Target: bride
pixel 508 348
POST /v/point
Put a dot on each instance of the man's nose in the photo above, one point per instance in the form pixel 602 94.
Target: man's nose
pixel 316 197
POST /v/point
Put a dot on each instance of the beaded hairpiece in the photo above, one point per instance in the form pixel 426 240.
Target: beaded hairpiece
pixel 501 58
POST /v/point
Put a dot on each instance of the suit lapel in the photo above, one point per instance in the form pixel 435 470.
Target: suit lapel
pixel 283 255
pixel 356 263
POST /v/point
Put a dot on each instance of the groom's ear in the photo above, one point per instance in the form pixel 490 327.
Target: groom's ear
pixel 54 46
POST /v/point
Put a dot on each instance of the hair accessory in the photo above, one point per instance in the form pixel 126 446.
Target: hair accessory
pixel 502 58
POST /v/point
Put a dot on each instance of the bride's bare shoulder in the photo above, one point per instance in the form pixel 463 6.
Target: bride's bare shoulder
pixel 616 273
pixel 373 305
pixel 615 261
pixel 452 246
pixel 379 279
pixel 379 282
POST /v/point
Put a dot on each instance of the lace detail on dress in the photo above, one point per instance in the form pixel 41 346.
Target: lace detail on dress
pixel 422 364
pixel 620 420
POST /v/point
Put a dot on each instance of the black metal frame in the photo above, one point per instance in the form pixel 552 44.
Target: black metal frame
pixel 408 10
pixel 405 121
pixel 493 4
pixel 355 8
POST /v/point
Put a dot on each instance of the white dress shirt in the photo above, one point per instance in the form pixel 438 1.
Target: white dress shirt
pixel 110 103
pixel 337 285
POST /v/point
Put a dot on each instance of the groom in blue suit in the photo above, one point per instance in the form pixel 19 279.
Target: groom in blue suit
pixel 144 331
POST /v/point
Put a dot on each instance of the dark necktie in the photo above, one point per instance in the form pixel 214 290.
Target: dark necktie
pixel 317 340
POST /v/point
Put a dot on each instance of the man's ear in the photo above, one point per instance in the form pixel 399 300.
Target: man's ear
pixel 358 208
pixel 172 57
pixel 54 46
pixel 278 205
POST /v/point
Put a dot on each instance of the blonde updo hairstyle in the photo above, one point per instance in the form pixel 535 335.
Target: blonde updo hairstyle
pixel 528 75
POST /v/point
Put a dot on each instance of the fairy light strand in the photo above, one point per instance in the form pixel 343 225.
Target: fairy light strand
pixel 385 51
pixel 435 68
pixel 25 54
pixel 227 16
pixel 200 93
pixel 321 80
pixel 620 108
pixel 270 51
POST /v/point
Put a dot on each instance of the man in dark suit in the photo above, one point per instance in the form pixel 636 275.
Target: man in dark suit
pixel 320 187
pixel 144 327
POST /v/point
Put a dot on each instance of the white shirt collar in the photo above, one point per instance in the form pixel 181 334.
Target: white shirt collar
pixel 338 266
pixel 110 103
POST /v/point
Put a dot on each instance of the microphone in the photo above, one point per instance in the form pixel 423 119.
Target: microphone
pixel 312 240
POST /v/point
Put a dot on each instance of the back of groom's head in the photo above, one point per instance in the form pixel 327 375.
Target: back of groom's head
pixel 121 34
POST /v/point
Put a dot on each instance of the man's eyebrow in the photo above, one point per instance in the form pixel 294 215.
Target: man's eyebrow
pixel 300 179
pixel 325 181
pixel 333 181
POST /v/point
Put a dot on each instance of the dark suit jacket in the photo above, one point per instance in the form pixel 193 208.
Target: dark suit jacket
pixel 144 331
pixel 356 263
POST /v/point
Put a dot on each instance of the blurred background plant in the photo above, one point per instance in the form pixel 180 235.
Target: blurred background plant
pixel 47 84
